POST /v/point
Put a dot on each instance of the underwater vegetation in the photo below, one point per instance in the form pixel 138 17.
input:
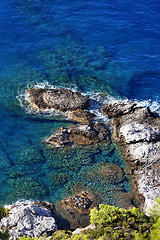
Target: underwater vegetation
pixel 38 173
pixel 26 188
pixel 58 179
pixel 104 172
pixel 73 66
pixel 31 155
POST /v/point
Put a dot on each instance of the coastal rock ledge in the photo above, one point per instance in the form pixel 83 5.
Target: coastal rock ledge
pixel 81 134
pixel 137 130
pixel 32 219
pixel 41 100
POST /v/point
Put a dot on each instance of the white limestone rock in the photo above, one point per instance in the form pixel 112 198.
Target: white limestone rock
pixel 148 180
pixel 80 230
pixel 136 132
pixel 28 219
pixel 145 153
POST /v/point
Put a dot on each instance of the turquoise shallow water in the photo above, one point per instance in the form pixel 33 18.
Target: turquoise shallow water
pixel 92 46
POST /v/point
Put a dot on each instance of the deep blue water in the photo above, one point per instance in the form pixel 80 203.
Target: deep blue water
pixel 96 46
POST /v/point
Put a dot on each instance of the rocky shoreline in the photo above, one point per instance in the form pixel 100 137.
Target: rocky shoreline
pixel 135 128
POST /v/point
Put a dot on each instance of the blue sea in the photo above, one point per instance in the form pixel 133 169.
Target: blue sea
pixel 109 47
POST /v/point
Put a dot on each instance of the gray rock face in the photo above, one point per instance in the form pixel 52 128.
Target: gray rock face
pixel 82 134
pixel 148 183
pixel 43 100
pixel 28 219
pixel 145 153
pixel 112 110
pixel 138 131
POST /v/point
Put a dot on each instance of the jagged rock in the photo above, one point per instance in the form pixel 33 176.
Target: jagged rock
pixel 81 202
pixel 78 135
pixel 29 219
pixel 148 181
pixel 41 100
pixel 144 153
pixel 81 116
pixel 138 132
pixel 76 208
pixel 112 110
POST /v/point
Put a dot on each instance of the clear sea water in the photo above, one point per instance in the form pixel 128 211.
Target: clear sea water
pixel 94 46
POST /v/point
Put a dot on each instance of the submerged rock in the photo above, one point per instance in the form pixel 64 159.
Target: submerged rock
pixel 104 172
pixel 29 219
pixel 138 132
pixel 78 135
pixel 41 100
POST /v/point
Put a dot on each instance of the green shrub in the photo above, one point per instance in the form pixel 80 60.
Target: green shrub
pixel 61 235
pixel 4 233
pixel 3 212
pixel 155 232
pixel 118 223
pixel 29 238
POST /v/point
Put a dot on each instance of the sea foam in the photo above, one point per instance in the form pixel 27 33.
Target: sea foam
pixel 95 103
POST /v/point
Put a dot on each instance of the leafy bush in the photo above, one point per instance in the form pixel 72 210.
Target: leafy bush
pixel 155 232
pixel 4 233
pixel 61 235
pixel 29 238
pixel 3 212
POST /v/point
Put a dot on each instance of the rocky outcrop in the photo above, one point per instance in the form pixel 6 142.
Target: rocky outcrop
pixel 112 110
pixel 81 202
pixel 138 132
pixel 72 105
pixel 81 116
pixel 29 219
pixel 42 100
pixel 82 134
pixel 76 208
